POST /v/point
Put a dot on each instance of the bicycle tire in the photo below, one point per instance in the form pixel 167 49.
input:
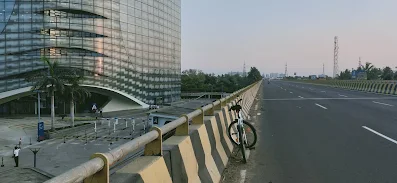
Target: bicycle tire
pixel 241 145
pixel 248 145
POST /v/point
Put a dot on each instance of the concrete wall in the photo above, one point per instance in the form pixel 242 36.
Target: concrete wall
pixel 200 156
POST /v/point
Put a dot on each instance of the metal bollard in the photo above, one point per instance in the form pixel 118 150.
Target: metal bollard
pixel 108 122
pixel 64 139
pixel 95 127
pixel 114 127
pixel 2 162
pixel 126 124
pixel 30 139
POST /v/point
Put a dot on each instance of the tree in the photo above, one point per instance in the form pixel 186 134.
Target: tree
pixel 368 67
pixel 345 75
pixel 254 75
pixel 374 74
pixel 387 73
pixel 75 93
pixel 53 77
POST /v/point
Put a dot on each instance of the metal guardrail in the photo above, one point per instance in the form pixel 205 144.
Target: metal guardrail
pixel 97 169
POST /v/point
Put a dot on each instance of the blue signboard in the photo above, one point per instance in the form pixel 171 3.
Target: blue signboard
pixel 40 131
pixel 354 74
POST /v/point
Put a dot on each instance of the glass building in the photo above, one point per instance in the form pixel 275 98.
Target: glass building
pixel 136 43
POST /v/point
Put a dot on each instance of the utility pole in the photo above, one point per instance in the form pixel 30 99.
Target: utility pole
pixel 336 52
pixel 323 70
pixel 359 62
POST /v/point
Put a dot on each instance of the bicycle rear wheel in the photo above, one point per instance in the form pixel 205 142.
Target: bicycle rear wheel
pixel 250 133
pixel 241 144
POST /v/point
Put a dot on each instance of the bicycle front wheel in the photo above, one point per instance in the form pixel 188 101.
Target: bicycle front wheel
pixel 241 145
pixel 250 134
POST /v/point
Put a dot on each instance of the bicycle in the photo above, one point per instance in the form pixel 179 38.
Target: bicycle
pixel 240 130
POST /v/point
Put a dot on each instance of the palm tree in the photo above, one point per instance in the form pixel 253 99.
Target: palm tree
pixel 74 92
pixel 53 77
pixel 368 67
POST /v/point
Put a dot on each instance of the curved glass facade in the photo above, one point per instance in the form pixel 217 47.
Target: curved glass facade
pixel 137 43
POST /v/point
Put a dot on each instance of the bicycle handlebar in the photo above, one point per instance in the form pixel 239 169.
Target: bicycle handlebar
pixel 236 107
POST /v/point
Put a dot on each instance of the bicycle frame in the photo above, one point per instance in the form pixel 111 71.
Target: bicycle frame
pixel 240 122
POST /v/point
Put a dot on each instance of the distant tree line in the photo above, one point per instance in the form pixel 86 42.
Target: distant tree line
pixel 197 81
pixel 372 73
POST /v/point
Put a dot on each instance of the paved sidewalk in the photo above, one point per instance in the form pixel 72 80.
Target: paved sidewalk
pixel 24 128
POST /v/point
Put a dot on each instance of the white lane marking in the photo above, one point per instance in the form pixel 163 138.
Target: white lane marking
pixel 50 143
pixel 342 95
pixel 370 98
pixel 321 106
pixel 303 87
pixel 258 114
pixel 377 133
pixel 243 173
pixel 298 107
pixel 382 103
pixel 290 92
pixel 323 91
pixel 300 97
pixel 75 143
pixel 97 144
pixel 285 89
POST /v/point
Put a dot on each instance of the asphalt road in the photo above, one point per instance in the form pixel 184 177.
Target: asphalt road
pixel 310 133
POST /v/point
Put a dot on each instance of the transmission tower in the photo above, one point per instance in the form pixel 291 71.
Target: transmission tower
pixel 286 70
pixel 336 51
pixel 323 70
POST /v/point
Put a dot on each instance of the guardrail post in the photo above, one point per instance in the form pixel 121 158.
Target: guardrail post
pixel 155 148
pixel 103 175
pixel 210 111
pixel 183 129
pixel 217 106
pixel 199 119
pixel 223 102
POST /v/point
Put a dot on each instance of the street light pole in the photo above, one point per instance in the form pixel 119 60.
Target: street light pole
pixel 38 109
pixel 38 105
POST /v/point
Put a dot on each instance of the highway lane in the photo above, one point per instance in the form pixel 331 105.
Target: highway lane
pixel 316 136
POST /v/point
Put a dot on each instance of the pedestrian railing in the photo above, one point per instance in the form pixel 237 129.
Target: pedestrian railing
pixel 97 168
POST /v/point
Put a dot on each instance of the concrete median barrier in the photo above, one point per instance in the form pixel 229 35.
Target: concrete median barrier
pixel 183 164
pixel 144 169
pixel 388 87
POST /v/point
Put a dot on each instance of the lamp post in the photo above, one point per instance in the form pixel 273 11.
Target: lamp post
pixel 35 150
pixel 38 107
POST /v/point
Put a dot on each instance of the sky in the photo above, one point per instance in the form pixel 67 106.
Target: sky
pixel 219 35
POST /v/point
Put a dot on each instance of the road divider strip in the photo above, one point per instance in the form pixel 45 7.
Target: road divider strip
pixel 383 103
pixel 321 106
pixel 377 133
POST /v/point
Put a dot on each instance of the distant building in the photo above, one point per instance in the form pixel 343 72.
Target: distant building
pixel 267 75
pixel 273 75
pixel 281 75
